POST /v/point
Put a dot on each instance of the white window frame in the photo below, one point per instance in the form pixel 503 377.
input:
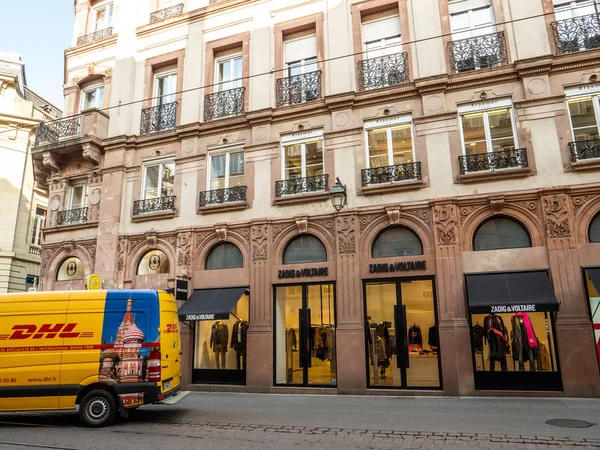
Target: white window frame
pixel 595 96
pixel 486 107
pixel 86 90
pixel 301 62
pixel 157 99
pixel 220 152
pixel 234 82
pixel 84 193
pixel 39 223
pixel 151 163
pixel 108 7
pixel 473 30
pixel 573 7
pixel 388 124
pixel 305 138
pixel 384 41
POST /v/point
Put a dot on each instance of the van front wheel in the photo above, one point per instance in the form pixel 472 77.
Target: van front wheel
pixel 98 409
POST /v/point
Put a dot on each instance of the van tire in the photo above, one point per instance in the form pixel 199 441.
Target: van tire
pixel 98 409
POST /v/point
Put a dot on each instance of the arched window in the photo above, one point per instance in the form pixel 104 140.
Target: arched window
pixel 154 262
pixel 70 269
pixel 304 249
pixel 396 241
pixel 224 256
pixel 594 232
pixel 500 233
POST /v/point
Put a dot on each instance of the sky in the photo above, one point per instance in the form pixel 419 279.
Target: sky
pixel 40 31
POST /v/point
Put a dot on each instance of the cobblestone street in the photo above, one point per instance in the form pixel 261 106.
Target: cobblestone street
pixel 248 421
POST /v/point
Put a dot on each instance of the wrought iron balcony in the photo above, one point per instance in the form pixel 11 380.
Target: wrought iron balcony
pixel 221 196
pixel 299 88
pixel 224 104
pixel 391 174
pixel 584 150
pixel 151 205
pixel 506 159
pixel 167 13
pixel 86 39
pixel 52 132
pixel 480 52
pixel 576 34
pixel 159 118
pixel 295 186
pixel 382 71
pixel 70 216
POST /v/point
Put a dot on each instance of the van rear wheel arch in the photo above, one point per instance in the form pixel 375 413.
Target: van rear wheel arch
pixel 96 386
pixel 98 408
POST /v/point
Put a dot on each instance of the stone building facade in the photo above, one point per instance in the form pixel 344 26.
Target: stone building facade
pixel 202 140
pixel 23 201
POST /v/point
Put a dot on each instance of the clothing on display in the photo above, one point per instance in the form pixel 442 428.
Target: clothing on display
pixel 433 338
pixel 219 337
pixel 238 342
pixel 477 335
pixel 379 332
pixel 322 341
pixel 495 335
pixel 415 339
pixel 524 343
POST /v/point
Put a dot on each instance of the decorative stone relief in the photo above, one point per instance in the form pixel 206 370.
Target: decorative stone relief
pixel 529 205
pixel 201 237
pixel 446 230
pixel 467 211
pixel 325 223
pixel 346 238
pixel 580 201
pixel 95 196
pixel 302 224
pixel 184 247
pixel 91 249
pixel 259 242
pixel 557 216
pixel 393 215
pixel 279 228
pixel 365 221
pixel 244 233
pixel 92 155
pixel 50 163
pixel 135 243
pixel 422 214
pixel 54 203
pixel 497 204
pixel 121 246
pixel 221 230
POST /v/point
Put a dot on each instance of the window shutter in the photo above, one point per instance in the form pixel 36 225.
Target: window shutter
pixel 300 49
pixel 384 28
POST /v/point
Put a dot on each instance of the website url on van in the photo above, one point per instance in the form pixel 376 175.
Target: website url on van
pixel 41 380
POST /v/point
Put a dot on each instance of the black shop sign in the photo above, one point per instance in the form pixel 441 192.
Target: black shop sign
pixel 408 266
pixel 303 273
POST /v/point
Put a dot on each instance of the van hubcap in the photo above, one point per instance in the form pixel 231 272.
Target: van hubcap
pixel 97 409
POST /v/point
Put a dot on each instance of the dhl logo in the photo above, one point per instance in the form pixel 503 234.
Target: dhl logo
pixel 45 331
pixel 172 328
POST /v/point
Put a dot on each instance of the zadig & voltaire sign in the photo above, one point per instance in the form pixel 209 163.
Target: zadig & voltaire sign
pixel 397 267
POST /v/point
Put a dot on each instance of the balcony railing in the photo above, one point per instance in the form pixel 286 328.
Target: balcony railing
pixel 224 104
pixel 576 34
pixel 480 52
pixel 584 150
pixel 391 174
pixel 159 118
pixel 221 196
pixel 383 71
pixel 490 161
pixel 299 88
pixel 152 205
pixel 35 250
pixel 86 39
pixel 70 216
pixel 52 132
pixel 294 186
pixel 167 13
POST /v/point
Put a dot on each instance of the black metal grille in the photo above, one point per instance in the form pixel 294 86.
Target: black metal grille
pixel 295 186
pixel 578 33
pixel 507 159
pixel 86 39
pixel 158 118
pixel 478 52
pixel 390 174
pixel 299 88
pixel 382 71
pixel 52 132
pixel 69 216
pixel 167 13
pixel 228 195
pixel 584 150
pixel 153 205
pixel 224 104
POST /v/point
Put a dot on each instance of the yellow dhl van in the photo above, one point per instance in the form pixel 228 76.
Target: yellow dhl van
pixel 106 351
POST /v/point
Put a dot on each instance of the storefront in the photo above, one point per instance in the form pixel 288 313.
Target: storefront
pixel 592 281
pixel 512 320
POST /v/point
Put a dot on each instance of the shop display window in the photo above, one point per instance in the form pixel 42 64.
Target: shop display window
pixel 221 344
pixel 305 351
pixel 500 233
pixel 70 269
pixel 154 262
pixel 592 279
pixel 402 334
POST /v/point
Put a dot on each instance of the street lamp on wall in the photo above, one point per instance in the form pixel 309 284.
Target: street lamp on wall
pixel 338 195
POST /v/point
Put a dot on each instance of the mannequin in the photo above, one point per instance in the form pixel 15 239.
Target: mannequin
pixel 219 336
pixel 238 343
pixel 524 341
pixel 496 337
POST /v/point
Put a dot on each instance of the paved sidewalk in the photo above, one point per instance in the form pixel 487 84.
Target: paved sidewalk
pixel 253 421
